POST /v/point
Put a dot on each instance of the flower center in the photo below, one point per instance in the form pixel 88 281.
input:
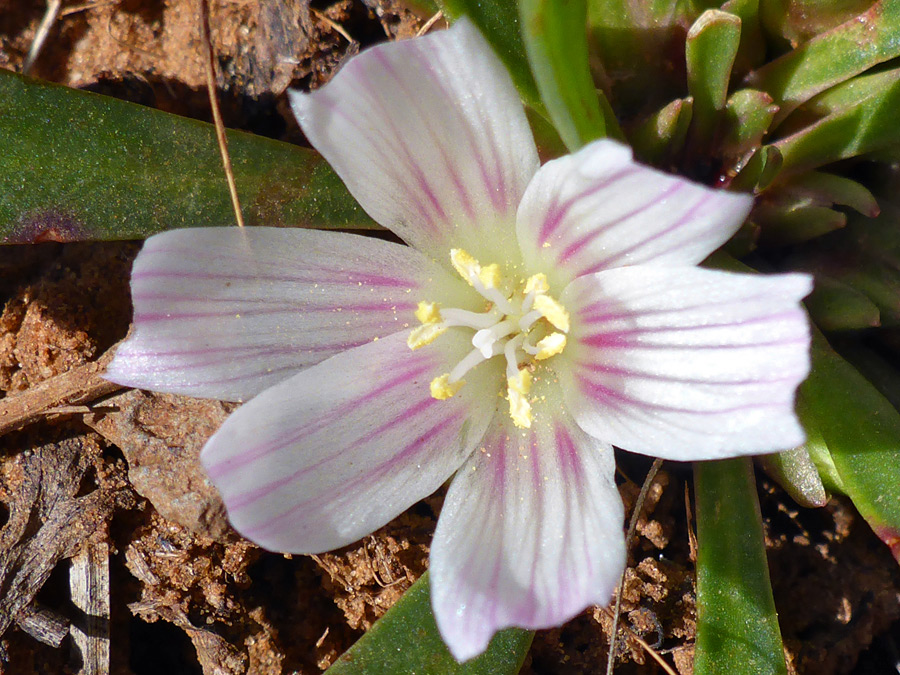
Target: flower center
pixel 521 322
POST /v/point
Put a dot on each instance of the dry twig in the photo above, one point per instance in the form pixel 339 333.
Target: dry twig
pixel 40 36
pixel 74 388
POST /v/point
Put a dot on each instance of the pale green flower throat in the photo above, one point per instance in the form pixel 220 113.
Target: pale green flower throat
pixel 521 321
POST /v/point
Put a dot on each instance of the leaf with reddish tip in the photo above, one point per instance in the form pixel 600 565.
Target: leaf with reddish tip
pixel 851 119
pixel 832 57
pixel 836 306
pixel 861 430
pixel 76 165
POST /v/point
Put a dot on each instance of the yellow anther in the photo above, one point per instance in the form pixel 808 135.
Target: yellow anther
pixel 550 345
pixel 553 311
pixel 428 312
pixel 490 276
pixel 465 264
pixel 442 389
pixel 519 407
pixel 537 283
pixel 425 335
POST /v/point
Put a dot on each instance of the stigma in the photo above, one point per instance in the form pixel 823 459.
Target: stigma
pixel 522 323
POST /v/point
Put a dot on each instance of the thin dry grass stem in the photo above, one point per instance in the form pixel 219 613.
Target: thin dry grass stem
pixel 655 655
pixel 40 36
pixel 336 27
pixel 632 524
pixel 428 24
pixel 210 68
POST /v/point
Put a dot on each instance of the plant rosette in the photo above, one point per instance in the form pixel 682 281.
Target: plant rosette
pixel 538 316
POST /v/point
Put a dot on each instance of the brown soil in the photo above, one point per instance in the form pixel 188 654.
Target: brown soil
pixel 187 595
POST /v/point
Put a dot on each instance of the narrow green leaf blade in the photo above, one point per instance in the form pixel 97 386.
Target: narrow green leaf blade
pixel 555 40
pixel 405 641
pixel 737 626
pixel 832 57
pixel 76 165
pixel 862 432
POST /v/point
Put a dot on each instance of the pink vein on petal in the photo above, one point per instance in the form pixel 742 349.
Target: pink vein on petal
pixel 247 498
pixel 554 216
pixel 226 466
pixel 368 477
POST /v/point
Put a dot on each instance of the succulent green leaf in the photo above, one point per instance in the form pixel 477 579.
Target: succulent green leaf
pixel 795 471
pixel 711 47
pixel 556 43
pixel 833 57
pixel 861 430
pixel 76 165
pixel 793 22
pixel 836 306
pixel 793 224
pixel 853 118
pixel 829 189
pixel 818 450
pixel 405 641
pixel 752 50
pixel 662 135
pixel 737 626
pixel 748 114
pixel 760 171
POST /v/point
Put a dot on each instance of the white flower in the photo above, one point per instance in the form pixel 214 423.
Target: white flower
pixel 552 312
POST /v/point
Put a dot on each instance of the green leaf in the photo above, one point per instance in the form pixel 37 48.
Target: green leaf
pixel 793 22
pixel 835 306
pixel 76 165
pixel 662 135
pixel 748 115
pixel 861 430
pixel 737 626
pixel 556 43
pixel 405 641
pixel 498 20
pixel 831 58
pixel 783 225
pixel 850 119
pixel 795 471
pixel 710 50
pixel 759 172
pixel 752 51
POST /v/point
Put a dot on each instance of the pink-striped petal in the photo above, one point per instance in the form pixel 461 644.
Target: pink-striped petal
pixel 328 456
pixel 686 364
pixel 430 137
pixel 598 209
pixel 530 534
pixel 224 313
